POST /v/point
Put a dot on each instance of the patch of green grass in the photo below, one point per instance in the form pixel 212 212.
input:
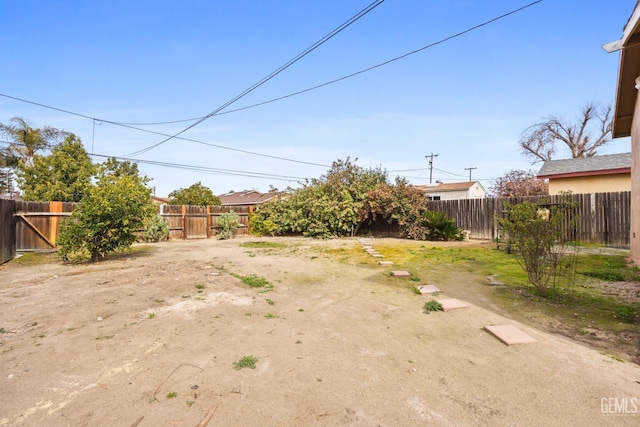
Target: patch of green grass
pixel 432 305
pixel 200 286
pixel 271 316
pixel 36 258
pixel 270 302
pixel 246 362
pixel 151 316
pixel 172 394
pixel 262 244
pixel 609 268
pixel 254 281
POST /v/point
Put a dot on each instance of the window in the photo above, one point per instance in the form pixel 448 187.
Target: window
pixel 434 197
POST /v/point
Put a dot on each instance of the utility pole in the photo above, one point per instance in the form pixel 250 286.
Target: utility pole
pixel 469 169
pixel 430 158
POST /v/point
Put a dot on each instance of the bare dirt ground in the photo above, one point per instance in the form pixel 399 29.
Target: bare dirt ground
pixel 132 342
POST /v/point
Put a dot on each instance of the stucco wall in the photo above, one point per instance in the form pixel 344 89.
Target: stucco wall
pixel 634 242
pixel 591 184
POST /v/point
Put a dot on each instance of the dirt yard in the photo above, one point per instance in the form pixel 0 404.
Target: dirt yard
pixel 151 339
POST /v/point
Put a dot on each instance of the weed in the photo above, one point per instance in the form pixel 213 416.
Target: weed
pixel 152 315
pixel 271 316
pixel 259 245
pixel 190 403
pixel 432 305
pixel 414 279
pixel 172 394
pixel 246 362
pixel 104 337
pixel 270 302
pixel 255 281
pixel 298 342
pixel 199 299
pixel 301 309
pixel 2 331
pixel 200 286
pixel 416 290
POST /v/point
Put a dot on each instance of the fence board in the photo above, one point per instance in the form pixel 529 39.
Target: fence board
pixel 7 230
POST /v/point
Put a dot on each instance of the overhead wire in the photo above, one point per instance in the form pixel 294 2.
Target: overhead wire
pixel 271 75
pixel 130 126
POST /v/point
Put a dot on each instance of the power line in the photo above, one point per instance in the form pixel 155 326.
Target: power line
pixel 274 73
pixel 133 126
pixel 381 64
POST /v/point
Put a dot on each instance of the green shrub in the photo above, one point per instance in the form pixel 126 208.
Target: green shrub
pixel 108 217
pixel 155 229
pixel 229 225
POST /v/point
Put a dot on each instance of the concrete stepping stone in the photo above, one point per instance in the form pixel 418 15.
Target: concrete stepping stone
pixel 400 273
pixel 509 334
pixel 385 262
pixel 452 304
pixel 428 289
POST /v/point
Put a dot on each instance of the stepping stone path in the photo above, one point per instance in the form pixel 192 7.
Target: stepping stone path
pixel 509 334
pixel 428 289
pixel 400 273
pixel 452 304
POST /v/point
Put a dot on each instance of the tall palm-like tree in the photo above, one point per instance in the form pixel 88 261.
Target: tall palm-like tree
pixel 26 141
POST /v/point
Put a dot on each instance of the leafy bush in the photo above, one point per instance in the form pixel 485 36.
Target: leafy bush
pixel 539 235
pixel 155 229
pixel 107 218
pixel 229 225
pixel 433 225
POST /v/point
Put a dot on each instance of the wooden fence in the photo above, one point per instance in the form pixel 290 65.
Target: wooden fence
pixel 604 219
pixel 200 222
pixel 7 230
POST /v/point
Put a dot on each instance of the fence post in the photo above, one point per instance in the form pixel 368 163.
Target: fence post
pixel 54 207
pixel 209 222
pixel 184 222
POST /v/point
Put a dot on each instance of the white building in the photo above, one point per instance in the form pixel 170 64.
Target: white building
pixel 455 191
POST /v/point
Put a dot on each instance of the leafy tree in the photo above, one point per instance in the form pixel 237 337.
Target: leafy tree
pixel 197 195
pixel 108 216
pixel 519 183
pixel 64 175
pixel 26 141
pixel 537 233
pixel 583 138
pixel 261 223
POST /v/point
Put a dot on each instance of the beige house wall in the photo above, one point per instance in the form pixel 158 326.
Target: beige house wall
pixel 634 236
pixel 592 184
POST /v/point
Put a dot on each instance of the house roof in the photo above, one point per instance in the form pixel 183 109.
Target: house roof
pixel 246 197
pixel 628 72
pixel 586 166
pixel 452 186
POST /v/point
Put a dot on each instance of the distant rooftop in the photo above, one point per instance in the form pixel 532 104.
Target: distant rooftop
pixel 596 165
pixel 246 197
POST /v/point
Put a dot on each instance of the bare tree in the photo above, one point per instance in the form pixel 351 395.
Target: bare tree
pixel 583 138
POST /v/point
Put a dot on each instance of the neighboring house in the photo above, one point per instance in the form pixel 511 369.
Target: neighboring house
pixel 626 118
pixel 159 200
pixel 455 191
pixel 597 174
pixel 246 197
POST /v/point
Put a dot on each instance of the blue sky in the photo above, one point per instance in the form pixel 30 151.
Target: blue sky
pixel 468 99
